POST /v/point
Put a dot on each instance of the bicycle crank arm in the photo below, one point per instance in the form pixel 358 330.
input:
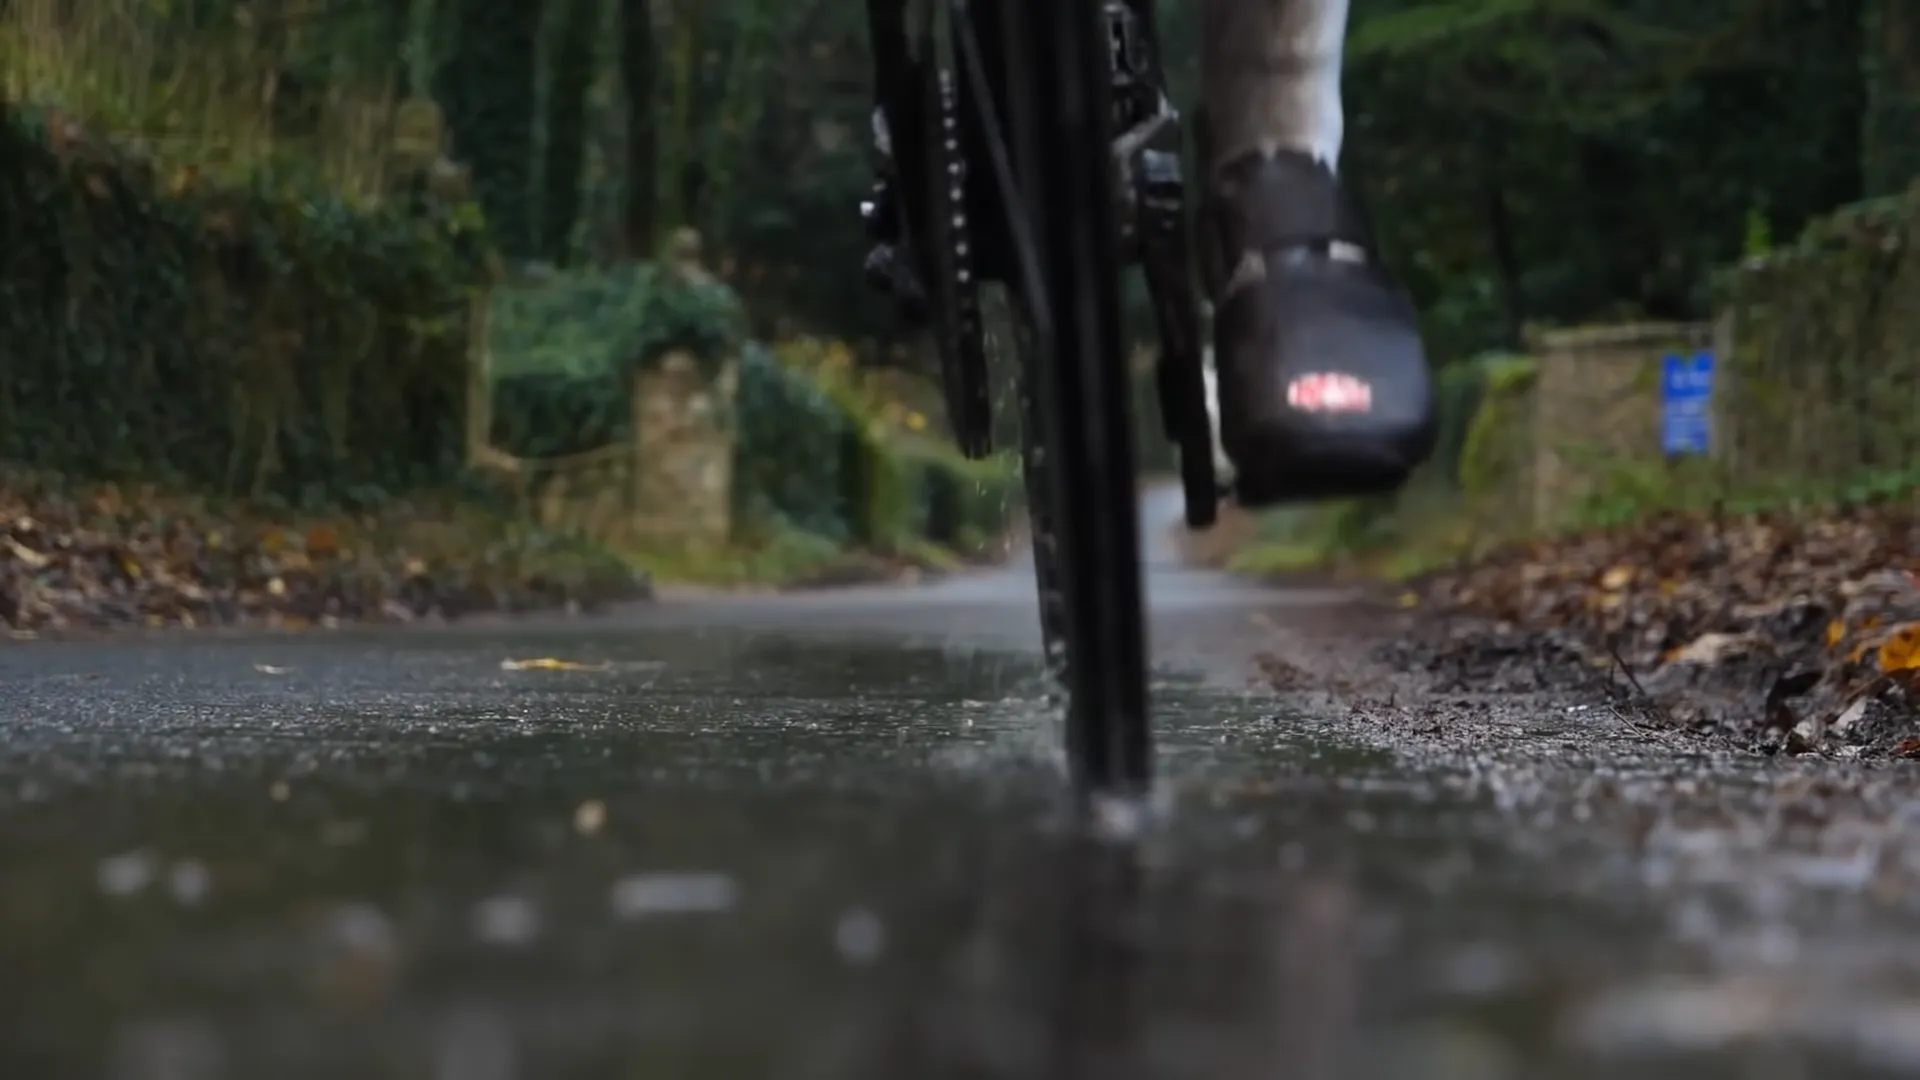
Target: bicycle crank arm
pixel 1180 373
pixel 1162 247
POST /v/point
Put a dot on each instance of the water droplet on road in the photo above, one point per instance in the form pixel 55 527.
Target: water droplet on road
pixel 860 937
pixel 506 920
pixel 125 874
pixel 475 1043
pixel 174 1049
pixel 643 895
pixel 189 882
pixel 589 816
pixel 359 955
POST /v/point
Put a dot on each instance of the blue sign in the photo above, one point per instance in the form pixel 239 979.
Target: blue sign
pixel 1686 409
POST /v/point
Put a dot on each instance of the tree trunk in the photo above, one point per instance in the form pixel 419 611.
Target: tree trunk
pixel 566 127
pixel 1890 135
pixel 488 91
pixel 640 77
pixel 676 179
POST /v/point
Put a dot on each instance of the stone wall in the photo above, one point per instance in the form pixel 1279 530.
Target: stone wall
pixel 669 487
pixel 1596 407
pixel 1823 371
pixel 588 495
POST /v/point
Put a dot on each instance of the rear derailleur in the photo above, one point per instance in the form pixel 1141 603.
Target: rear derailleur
pixel 890 262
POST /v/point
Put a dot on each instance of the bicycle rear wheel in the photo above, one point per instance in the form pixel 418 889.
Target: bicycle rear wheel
pixel 1079 446
pixel 1014 177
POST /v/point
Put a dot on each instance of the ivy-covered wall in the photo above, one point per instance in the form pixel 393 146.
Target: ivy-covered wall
pixel 1825 366
pixel 564 349
pixel 813 454
pixel 256 338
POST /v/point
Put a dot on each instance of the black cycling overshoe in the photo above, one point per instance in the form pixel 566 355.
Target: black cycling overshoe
pixel 1324 386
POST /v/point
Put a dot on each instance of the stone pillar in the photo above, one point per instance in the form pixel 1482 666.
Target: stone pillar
pixel 683 453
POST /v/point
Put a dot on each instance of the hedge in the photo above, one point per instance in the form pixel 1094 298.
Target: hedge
pixel 809 459
pixel 1494 425
pixel 957 503
pixel 790 465
pixel 256 337
pixel 565 349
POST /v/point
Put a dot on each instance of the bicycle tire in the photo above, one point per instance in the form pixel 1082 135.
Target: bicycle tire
pixel 1005 304
pixel 1035 478
pixel 1035 163
pixel 1079 448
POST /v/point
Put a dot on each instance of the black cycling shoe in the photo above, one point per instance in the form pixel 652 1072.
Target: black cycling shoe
pixel 1324 386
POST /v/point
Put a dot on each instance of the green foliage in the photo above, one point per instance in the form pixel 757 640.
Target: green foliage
pixel 1486 452
pixel 1759 238
pixel 1821 382
pixel 1574 161
pixel 261 338
pixel 1627 492
pixel 487 91
pixel 565 127
pixel 612 319
pixel 1592 63
pixel 548 414
pixel 1631 493
pixel 564 350
pixel 1890 155
pixel 1457 393
pixel 788 465
pixel 956 503
pixel 810 460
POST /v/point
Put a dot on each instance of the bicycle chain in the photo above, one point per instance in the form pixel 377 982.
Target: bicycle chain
pixel 953 234
pixel 962 345
pixel 905 265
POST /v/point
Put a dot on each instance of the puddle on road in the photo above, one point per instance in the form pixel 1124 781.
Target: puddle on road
pixel 750 857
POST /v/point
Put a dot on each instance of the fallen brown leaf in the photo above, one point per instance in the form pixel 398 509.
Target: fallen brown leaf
pixel 549 663
pixel 1737 601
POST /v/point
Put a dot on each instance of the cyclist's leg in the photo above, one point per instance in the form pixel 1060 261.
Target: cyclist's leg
pixel 1272 77
pixel 1299 295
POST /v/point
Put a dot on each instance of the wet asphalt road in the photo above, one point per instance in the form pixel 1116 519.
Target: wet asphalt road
pixel 818 837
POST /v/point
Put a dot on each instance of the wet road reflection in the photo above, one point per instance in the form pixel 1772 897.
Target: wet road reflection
pixel 837 865
pixel 727 847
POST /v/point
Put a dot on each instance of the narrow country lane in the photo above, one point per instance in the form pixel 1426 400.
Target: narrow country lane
pixel 815 836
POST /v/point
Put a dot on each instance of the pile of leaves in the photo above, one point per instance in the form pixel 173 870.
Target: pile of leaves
pixel 1788 631
pixel 106 558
